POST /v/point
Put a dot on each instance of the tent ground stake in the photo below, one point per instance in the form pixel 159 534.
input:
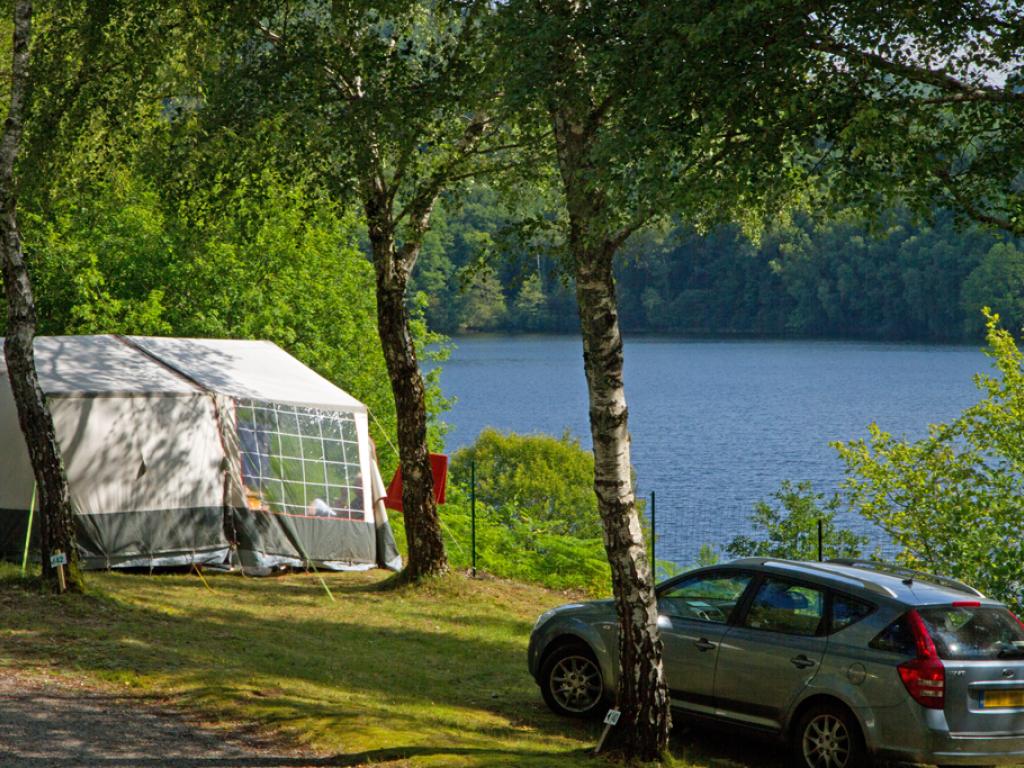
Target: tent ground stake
pixel 28 532
pixel 326 588
pixel 199 573
pixel 323 583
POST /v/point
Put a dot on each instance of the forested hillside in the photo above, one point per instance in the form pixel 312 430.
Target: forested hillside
pixel 897 279
pixel 119 256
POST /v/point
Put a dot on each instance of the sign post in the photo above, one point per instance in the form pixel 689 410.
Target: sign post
pixel 610 720
pixel 58 560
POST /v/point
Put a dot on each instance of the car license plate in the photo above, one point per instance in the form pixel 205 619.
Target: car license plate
pixel 1002 699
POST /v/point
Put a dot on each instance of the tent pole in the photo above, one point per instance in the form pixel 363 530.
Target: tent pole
pixel 28 531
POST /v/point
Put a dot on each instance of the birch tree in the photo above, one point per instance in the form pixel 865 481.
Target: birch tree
pixel 654 109
pixel 56 522
pixel 392 105
pixel 714 110
pixel 77 69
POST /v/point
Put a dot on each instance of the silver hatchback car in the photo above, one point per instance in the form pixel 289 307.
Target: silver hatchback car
pixel 844 660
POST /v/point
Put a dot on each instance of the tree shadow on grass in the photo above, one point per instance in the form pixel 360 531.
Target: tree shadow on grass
pixel 719 746
pixel 366 672
pixel 323 669
pixel 495 758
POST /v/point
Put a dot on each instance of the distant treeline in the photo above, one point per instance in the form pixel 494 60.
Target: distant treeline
pixel 896 280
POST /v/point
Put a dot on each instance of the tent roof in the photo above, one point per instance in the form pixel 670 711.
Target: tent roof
pixel 111 365
pixel 98 365
pixel 257 370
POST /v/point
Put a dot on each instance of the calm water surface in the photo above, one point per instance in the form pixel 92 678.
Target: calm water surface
pixel 716 425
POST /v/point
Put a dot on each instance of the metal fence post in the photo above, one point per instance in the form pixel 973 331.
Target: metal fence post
pixel 472 514
pixel 820 536
pixel 654 562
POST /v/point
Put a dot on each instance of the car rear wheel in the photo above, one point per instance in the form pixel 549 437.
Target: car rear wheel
pixel 571 681
pixel 827 736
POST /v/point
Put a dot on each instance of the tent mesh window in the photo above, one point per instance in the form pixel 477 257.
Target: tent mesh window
pixel 300 461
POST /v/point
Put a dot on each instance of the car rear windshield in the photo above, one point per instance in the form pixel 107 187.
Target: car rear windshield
pixel 974 632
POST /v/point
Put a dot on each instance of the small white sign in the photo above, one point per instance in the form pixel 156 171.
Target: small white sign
pixel 58 559
pixel 612 718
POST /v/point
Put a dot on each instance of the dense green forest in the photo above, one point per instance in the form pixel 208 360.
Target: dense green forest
pixel 840 277
pixel 124 246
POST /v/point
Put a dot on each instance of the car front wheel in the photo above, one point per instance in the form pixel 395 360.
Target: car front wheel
pixel 571 681
pixel 827 736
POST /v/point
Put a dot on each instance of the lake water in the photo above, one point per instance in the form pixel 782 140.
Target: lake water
pixel 716 425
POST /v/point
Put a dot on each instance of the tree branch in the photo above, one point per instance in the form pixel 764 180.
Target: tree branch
pixel 971 208
pixel 351 90
pixel 937 78
pixel 641 219
pixel 423 198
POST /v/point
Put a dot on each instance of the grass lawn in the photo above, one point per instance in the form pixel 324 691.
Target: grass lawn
pixel 426 676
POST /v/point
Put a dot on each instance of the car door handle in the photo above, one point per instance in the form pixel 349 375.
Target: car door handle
pixel 704 645
pixel 802 662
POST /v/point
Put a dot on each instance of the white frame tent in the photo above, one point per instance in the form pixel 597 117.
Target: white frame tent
pixel 205 451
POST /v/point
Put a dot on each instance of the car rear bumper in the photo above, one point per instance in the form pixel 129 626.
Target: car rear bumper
pixel 971 749
pixel 962 749
pixel 912 734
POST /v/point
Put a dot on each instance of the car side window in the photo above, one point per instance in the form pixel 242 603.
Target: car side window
pixel 847 611
pixel 710 597
pixel 782 606
pixel 896 638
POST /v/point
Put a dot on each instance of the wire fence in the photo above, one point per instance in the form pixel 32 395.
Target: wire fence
pixel 687 532
pixel 684 527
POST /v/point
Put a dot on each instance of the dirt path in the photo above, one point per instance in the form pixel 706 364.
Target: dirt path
pixel 49 724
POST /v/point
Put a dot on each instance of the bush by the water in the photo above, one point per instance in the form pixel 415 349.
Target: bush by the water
pixel 546 480
pixel 513 546
pixel 787 527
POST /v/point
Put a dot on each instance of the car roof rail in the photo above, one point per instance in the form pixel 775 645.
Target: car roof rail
pixel 908 575
pixel 814 568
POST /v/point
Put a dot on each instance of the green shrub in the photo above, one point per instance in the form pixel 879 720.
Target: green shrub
pixel 788 528
pixel 538 479
pixel 513 546
pixel 954 500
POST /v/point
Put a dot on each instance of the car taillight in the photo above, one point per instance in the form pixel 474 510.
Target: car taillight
pixel 925 680
pixel 925 676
